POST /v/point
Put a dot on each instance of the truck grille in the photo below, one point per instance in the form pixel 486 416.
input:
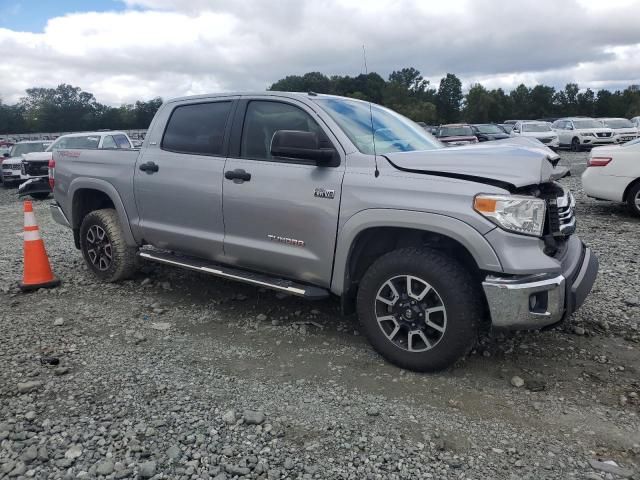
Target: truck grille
pixel 561 213
pixel 561 220
pixel 603 134
pixel 6 166
pixel 35 169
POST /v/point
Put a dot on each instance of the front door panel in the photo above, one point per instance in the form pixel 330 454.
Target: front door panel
pixel 284 219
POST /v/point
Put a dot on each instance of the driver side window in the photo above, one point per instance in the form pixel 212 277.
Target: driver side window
pixel 264 118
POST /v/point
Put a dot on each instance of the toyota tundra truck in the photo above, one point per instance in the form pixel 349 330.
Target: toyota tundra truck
pixel 316 196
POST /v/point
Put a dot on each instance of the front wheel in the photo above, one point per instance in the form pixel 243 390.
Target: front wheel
pixel 633 199
pixel 420 309
pixel 575 145
pixel 104 248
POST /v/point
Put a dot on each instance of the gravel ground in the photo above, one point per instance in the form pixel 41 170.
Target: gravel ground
pixel 178 375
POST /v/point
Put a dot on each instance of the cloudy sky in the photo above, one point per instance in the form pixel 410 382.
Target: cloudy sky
pixel 124 50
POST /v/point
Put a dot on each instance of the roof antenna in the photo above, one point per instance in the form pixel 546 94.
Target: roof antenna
pixel 373 132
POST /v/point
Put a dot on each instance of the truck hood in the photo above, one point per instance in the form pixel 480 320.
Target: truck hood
pixel 37 156
pixel 511 164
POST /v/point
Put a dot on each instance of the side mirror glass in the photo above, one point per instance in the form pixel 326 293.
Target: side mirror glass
pixel 5 155
pixel 302 145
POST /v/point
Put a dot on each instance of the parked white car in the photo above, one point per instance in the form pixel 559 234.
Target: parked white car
pixel 539 130
pixel 613 173
pixel 580 133
pixel 624 129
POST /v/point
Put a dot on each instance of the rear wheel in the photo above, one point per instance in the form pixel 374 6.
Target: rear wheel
pixel 575 144
pixel 633 199
pixel 104 248
pixel 420 309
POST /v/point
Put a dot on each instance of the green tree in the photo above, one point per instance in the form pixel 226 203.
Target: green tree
pixel 520 99
pixel 449 98
pixel 541 101
pixel 478 105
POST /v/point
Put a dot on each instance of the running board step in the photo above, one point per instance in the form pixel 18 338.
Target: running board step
pixel 204 266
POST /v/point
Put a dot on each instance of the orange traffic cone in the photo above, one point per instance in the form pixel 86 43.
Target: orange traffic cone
pixel 37 271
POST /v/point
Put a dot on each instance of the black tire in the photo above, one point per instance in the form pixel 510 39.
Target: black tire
pixel 633 199
pixel 454 288
pixel 39 195
pixel 111 259
pixel 575 144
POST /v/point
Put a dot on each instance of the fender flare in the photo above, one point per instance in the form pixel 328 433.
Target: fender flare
pixel 475 243
pixel 109 190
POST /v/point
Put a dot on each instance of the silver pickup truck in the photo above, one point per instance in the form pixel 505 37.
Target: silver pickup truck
pixel 316 195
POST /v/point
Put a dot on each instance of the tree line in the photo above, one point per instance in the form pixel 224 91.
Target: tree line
pixel 409 93
pixel 67 109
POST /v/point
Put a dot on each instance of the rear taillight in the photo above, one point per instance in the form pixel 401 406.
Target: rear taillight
pixel 599 161
pixel 52 173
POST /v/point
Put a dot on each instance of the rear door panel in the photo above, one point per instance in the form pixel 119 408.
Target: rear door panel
pixel 180 205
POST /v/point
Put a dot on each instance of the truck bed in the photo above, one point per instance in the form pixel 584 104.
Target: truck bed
pixel 113 169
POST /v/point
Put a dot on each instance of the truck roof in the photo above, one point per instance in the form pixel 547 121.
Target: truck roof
pixel 101 133
pixel 269 93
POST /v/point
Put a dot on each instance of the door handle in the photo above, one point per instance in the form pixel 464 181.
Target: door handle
pixel 238 175
pixel 149 167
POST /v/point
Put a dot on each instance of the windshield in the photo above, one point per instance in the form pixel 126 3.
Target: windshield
pixel 587 124
pixel 536 127
pixel 462 131
pixel 24 148
pixel 393 132
pixel 489 129
pixel 617 123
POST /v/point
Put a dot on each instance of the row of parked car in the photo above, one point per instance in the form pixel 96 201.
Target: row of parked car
pixel 575 133
pixel 26 163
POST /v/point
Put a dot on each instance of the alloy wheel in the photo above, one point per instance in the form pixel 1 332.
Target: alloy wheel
pixel 99 247
pixel 410 313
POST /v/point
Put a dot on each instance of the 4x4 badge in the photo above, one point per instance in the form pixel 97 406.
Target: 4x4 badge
pixel 323 193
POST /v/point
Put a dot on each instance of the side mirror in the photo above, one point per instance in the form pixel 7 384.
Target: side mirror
pixel 302 145
pixel 5 154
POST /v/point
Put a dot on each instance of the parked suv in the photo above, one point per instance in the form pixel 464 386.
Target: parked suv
pixel 579 133
pixel 300 193
pixel 624 129
pixel 12 163
pixel 456 134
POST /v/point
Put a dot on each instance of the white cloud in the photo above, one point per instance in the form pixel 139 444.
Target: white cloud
pixel 171 47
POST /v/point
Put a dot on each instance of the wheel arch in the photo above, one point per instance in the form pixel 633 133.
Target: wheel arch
pixel 632 184
pixel 372 233
pixel 92 194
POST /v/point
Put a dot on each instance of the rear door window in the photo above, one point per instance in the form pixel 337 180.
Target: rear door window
pixel 198 128
pixel 109 142
pixel 121 141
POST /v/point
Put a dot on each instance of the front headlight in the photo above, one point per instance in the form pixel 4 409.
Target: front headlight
pixel 587 134
pixel 519 214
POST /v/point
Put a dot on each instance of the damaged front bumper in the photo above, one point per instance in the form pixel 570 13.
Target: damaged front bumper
pixel 34 185
pixel 535 301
